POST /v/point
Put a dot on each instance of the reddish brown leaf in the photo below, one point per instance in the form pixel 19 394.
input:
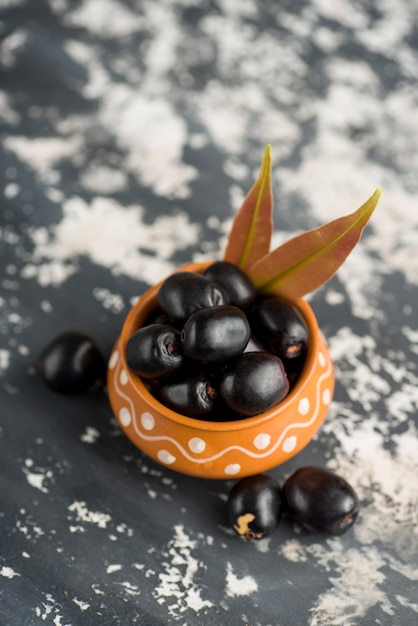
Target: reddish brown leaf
pixel 252 228
pixel 307 261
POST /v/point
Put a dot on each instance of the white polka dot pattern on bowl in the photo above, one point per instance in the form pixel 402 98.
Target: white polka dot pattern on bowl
pixel 289 444
pixel 166 457
pixel 125 417
pixel 197 445
pixel 113 360
pixel 123 378
pixel 147 420
pixel 262 441
pixel 304 406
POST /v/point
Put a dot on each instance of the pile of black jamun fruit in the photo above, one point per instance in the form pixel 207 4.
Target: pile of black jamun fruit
pixel 213 349
pixel 315 498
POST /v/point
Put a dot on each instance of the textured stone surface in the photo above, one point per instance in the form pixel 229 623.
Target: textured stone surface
pixel 130 132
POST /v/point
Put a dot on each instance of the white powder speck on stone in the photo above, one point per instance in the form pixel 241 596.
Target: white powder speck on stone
pixel 129 588
pixel 4 360
pixel 36 478
pixel 42 153
pixel 111 569
pixel 111 301
pixel 8 572
pixel 81 604
pixel 239 586
pixel 90 435
pixel 7 113
pixel 11 190
pixel 57 621
pixel 91 517
pixel 103 180
pixel 293 551
pixel 176 583
pixel 46 306
pixel 105 18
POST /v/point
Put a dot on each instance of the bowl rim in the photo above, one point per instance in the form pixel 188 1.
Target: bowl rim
pixel 144 306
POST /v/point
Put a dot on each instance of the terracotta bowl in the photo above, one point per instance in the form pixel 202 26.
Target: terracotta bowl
pixel 220 449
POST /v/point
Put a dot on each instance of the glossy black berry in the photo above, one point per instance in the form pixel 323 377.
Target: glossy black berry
pixel 254 383
pixel 215 334
pixel 293 368
pixel 254 506
pixel 280 327
pixel 72 363
pixel 236 283
pixel 154 351
pixel 321 500
pixel 191 394
pixel 183 293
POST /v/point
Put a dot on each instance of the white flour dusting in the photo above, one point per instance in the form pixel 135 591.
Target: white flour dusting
pixel 82 514
pixel 4 360
pixel 118 240
pixel 90 435
pixel 105 18
pixel 154 136
pixel 355 588
pixel 36 478
pixel 41 154
pixel 111 301
pixel 385 480
pixel 101 179
pixel 8 572
pixel 110 569
pixel 239 586
pixel 80 603
pixel 177 587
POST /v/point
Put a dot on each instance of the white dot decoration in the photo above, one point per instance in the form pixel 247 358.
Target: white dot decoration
pixel 123 378
pixel 113 360
pixel 303 406
pixel 262 441
pixel 322 360
pixel 164 456
pixel 326 396
pixel 125 416
pixel 289 444
pixel 197 445
pixel 232 469
pixel 147 421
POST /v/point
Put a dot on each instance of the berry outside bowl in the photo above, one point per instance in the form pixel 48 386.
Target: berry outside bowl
pixel 220 450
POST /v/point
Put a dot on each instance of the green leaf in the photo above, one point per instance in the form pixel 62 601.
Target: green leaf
pixel 252 228
pixel 307 261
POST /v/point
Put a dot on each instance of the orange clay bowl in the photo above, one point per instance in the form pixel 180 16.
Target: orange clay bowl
pixel 220 449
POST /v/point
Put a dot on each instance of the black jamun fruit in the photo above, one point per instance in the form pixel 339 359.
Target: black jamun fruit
pixel 254 506
pixel 253 383
pixel 191 394
pixel 154 351
pixel 319 499
pixel 236 283
pixel 72 363
pixel 183 293
pixel 280 327
pixel 215 334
